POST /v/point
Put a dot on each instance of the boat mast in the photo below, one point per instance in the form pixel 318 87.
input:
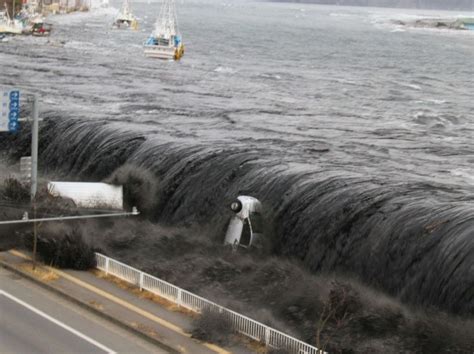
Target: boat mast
pixel 7 13
pixel 167 23
pixel 126 7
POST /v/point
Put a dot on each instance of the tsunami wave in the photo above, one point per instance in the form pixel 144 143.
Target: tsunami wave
pixel 411 239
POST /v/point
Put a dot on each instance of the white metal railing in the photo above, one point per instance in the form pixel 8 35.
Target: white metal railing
pixel 242 324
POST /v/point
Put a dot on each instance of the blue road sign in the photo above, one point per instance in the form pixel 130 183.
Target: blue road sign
pixel 14 95
pixel 13 115
pixel 9 111
pixel 13 126
pixel 14 105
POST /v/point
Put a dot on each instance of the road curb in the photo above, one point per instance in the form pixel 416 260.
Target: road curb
pixel 90 308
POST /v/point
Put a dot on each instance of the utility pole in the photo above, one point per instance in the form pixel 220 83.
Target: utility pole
pixel 34 148
pixel 35 236
pixel 34 170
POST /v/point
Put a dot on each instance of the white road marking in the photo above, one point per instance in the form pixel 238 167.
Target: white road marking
pixel 57 322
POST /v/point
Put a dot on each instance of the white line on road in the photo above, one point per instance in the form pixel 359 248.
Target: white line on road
pixel 59 323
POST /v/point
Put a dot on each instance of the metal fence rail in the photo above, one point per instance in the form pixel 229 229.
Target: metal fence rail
pixel 242 324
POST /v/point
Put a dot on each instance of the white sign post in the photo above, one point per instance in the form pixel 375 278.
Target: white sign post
pixel 9 122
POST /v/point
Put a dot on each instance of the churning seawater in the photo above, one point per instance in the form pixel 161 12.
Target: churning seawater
pixel 357 134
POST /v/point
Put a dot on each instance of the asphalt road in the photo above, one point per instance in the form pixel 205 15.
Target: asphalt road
pixel 33 320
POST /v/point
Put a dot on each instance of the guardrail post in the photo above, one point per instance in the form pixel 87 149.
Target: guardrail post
pixel 107 266
pixel 267 336
pixel 178 298
pixel 141 281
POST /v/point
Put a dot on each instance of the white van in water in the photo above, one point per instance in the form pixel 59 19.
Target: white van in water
pixel 245 227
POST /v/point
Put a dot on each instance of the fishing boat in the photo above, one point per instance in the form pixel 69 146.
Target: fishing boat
pixel 125 18
pixel 165 41
pixel 8 25
pixel 40 28
pixel 32 22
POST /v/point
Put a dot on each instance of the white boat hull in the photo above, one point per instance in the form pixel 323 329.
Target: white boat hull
pixel 160 52
pixel 10 29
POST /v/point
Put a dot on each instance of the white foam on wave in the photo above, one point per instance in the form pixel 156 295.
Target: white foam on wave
pixel 224 70
pixel 412 86
pixel 398 30
pixel 346 81
pixel 80 45
pixel 466 174
pixel 435 101
pixel 340 14
pixel 270 76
